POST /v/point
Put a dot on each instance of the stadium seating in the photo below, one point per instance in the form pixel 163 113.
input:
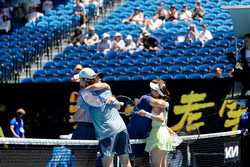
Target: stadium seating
pixel 175 61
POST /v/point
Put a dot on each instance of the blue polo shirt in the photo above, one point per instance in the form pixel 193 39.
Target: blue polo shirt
pixel 138 126
pixel 106 118
pixel 18 126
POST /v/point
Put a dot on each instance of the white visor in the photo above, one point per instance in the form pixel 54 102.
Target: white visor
pixel 156 87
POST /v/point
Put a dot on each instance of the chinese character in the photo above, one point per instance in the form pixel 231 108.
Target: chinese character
pixel 192 103
pixel 234 112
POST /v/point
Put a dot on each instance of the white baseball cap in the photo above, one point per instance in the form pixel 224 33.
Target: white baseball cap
pixel 88 73
pixel 105 35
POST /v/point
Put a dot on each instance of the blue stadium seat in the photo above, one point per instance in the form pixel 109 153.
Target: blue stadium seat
pixel 223 59
pixel 181 60
pixel 173 69
pixel 123 78
pixel 167 61
pixel 209 59
pixel 147 69
pixel 195 76
pixel 166 76
pixel 195 60
pixel 180 76
pixel 109 78
pixel 132 70
pixel 189 69
pixel 107 71
pixel 203 68
pixel 209 75
pixel 154 61
pixel 161 69
pixel 150 77
pixel 137 77
pixel 39 74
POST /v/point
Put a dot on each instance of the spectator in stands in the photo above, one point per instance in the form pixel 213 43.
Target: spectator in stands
pixel 152 25
pixel 172 14
pixel 105 44
pixel 77 69
pixel 19 17
pixel 79 10
pixel 77 38
pixel 185 14
pixel 110 128
pixel 118 44
pixel 47 6
pixel 198 12
pixel 161 13
pixel 136 18
pixel 242 67
pixel 17 124
pixel 218 72
pixel 192 34
pixel 33 15
pixel 205 34
pixel 5 24
pixel 130 45
pixel 149 42
pixel 91 38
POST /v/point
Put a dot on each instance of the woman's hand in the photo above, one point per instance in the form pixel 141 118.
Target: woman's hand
pixel 141 113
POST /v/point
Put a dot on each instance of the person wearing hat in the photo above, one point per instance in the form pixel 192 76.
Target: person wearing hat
pixel 77 37
pixel 138 126
pixel 185 14
pixel 110 128
pixel 17 124
pixel 91 38
pixel 77 69
pixel 149 42
pixel 192 34
pixel 172 14
pixel 118 44
pixel 104 45
pixel 130 45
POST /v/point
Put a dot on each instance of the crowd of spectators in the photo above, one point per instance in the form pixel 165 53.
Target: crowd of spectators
pixel 18 13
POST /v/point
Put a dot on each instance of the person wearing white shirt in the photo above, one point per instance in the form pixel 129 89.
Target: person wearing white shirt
pixel 118 44
pixel 47 6
pixel 130 44
pixel 136 18
pixel 192 34
pixel 105 44
pixel 5 24
pixel 205 34
pixel 185 14
pixel 33 15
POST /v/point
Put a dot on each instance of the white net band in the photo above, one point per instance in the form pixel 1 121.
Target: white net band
pixel 63 142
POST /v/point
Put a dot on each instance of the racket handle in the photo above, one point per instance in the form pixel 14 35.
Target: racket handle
pixel 118 103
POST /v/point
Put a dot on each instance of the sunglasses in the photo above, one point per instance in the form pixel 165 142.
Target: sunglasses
pixel 85 79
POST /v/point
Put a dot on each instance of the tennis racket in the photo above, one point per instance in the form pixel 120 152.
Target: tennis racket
pixel 191 131
pixel 128 106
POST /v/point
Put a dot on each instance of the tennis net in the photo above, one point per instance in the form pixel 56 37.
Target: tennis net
pixel 215 149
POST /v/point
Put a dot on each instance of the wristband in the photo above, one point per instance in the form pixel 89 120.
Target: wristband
pixel 149 115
